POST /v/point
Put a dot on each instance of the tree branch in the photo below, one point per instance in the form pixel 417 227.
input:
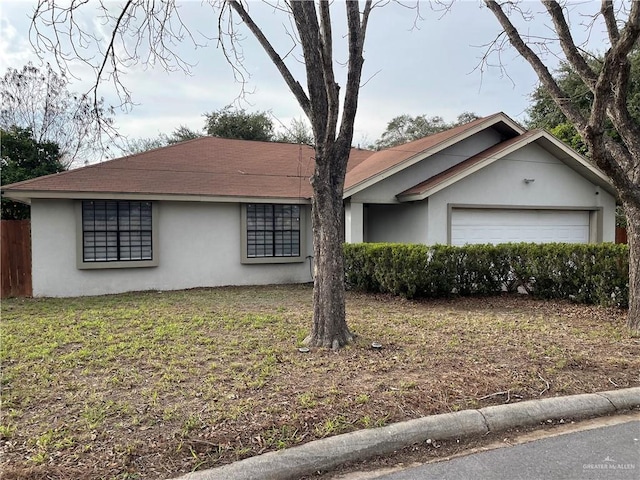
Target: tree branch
pixel 612 157
pixel 110 52
pixel 331 87
pixel 586 73
pixel 357 35
pixel 606 9
pixel 306 20
pixel 561 98
pixel 618 60
pixel 291 82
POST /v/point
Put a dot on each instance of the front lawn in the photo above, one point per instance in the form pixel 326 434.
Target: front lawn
pixel 152 385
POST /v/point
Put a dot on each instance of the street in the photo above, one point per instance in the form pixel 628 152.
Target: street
pixel 604 453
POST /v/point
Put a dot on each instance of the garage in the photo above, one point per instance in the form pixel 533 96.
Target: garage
pixel 480 225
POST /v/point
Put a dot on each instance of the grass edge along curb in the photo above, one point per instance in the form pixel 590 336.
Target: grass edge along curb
pixel 331 452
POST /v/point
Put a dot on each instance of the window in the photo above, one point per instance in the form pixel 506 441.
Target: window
pixel 272 233
pixel 116 233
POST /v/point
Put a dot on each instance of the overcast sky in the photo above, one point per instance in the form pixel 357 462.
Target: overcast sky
pixel 418 67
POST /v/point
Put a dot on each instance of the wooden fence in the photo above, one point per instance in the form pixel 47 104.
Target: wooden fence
pixel 621 235
pixel 15 266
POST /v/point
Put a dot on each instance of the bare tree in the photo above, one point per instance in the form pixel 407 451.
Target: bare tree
pixel 39 99
pixel 609 86
pixel 145 31
pixel 298 131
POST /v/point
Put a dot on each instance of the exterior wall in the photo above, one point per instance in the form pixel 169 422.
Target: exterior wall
pixel 199 246
pixel 386 190
pixel 502 184
pixel 403 223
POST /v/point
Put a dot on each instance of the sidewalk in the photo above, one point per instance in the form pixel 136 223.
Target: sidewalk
pixel 328 453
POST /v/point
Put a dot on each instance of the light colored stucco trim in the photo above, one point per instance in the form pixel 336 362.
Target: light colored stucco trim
pixel 571 158
pixel 155 244
pixel 431 151
pixel 25 196
pixel 596 214
pixel 244 259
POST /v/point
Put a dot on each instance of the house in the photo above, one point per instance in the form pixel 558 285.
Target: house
pixel 213 211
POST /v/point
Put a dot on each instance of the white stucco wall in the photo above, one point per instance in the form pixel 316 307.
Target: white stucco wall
pixel 386 190
pixel 199 246
pixel 502 184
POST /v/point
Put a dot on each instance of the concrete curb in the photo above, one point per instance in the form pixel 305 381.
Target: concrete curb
pixel 331 452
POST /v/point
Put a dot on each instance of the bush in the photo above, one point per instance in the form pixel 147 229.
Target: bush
pixel 597 274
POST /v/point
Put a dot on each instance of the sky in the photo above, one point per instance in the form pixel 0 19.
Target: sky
pixel 427 65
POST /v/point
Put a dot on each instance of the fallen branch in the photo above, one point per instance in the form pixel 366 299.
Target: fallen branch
pixel 506 392
pixel 546 389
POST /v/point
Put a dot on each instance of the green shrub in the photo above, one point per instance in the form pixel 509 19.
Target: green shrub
pixel 597 274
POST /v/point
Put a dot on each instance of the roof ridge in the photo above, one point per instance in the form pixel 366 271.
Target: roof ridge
pixel 462 127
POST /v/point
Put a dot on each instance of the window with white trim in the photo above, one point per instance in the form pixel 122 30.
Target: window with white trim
pixel 117 231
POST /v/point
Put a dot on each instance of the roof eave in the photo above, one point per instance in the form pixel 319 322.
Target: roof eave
pixel 491 121
pixel 25 196
pixel 593 174
pixel 447 182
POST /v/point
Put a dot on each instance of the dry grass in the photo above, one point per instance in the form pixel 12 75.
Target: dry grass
pixel 152 385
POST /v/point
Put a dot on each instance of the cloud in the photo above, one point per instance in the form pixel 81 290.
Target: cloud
pixel 411 66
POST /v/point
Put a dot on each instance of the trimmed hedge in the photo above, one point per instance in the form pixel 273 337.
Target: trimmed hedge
pixel 597 274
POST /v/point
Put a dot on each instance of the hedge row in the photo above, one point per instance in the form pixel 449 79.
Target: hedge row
pixel 597 274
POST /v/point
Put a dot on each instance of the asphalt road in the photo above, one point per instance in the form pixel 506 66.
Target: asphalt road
pixel 605 453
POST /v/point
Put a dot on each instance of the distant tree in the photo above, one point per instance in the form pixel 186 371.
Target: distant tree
pixel 298 132
pixel 230 123
pixel 238 124
pixel 405 128
pixel 180 134
pixel 39 100
pixel 23 157
pixel 465 117
pixel 144 144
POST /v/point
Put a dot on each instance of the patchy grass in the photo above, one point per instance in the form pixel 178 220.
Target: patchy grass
pixel 152 385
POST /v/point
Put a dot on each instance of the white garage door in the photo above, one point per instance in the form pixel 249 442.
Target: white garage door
pixel 506 225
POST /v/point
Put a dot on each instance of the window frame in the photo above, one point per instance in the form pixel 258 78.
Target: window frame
pixel 302 253
pixel 81 264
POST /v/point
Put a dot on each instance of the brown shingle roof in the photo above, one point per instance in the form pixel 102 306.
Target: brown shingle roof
pixel 219 167
pixel 207 166
pixel 385 160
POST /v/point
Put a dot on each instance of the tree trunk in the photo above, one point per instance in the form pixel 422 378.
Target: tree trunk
pixel 633 238
pixel 329 323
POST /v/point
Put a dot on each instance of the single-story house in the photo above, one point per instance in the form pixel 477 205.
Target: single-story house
pixel 214 211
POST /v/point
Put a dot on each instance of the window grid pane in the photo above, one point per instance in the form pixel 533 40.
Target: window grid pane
pixel 116 231
pixel 273 230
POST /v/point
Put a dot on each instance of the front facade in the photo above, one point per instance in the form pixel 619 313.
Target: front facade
pixel 214 212
pixel 493 184
pixel 191 244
